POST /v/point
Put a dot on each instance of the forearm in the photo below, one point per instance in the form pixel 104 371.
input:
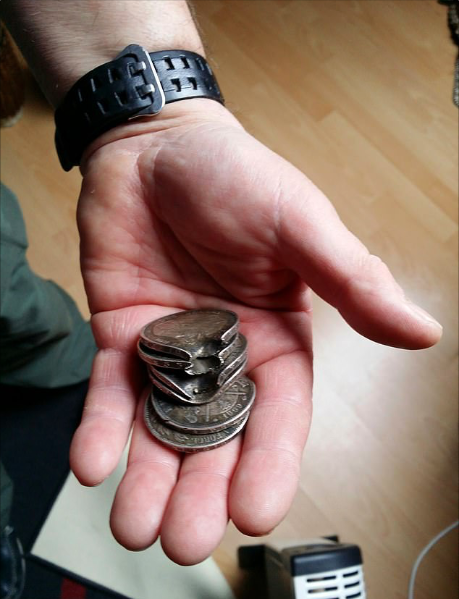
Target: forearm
pixel 62 40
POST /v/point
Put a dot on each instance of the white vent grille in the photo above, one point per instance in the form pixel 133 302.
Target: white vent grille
pixel 346 583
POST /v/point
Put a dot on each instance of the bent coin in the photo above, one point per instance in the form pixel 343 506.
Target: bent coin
pixel 206 391
pixel 199 384
pixel 156 358
pixel 230 406
pixel 192 333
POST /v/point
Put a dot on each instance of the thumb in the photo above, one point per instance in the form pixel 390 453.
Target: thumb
pixel 338 267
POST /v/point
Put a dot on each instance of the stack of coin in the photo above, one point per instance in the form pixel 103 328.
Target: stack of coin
pixel 200 398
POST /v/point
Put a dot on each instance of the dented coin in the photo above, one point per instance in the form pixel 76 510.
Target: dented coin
pixel 230 406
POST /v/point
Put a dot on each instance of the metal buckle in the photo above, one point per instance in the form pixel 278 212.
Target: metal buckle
pixel 143 65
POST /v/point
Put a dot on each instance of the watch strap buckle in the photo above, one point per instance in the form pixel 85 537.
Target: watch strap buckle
pixel 142 66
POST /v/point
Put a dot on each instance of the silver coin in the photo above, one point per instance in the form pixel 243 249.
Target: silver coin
pixel 161 359
pixel 191 334
pixel 196 366
pixel 198 398
pixel 228 349
pixel 229 407
pixel 234 359
pixel 201 390
pixel 187 442
pixel 192 385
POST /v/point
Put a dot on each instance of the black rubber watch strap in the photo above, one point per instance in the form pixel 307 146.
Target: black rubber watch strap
pixel 185 75
pixel 136 83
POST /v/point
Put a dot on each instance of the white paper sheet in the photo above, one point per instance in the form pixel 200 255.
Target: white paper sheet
pixel 76 536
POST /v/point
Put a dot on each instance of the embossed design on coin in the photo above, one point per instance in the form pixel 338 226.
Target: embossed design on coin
pixel 230 407
pixel 191 334
pixel 187 442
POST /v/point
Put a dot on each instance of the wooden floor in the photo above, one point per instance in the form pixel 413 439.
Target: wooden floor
pixel 356 93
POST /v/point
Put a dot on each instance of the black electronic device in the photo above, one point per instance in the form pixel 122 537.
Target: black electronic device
pixel 321 568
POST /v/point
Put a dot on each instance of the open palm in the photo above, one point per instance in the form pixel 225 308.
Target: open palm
pixel 192 212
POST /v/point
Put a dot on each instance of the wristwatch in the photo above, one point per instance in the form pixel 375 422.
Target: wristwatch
pixel 136 83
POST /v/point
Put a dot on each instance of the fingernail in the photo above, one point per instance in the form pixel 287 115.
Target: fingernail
pixel 422 314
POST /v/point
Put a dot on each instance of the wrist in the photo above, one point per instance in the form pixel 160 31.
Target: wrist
pixel 137 83
pixel 64 40
pixel 178 116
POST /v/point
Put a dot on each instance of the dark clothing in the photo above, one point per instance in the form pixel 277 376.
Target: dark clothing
pixel 44 341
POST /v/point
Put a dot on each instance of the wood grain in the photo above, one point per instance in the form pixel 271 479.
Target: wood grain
pixel 357 94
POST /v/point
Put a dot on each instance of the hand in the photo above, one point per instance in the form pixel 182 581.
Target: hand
pixel 189 211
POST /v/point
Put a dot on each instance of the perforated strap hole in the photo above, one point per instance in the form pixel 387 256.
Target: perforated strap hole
pixel 103 105
pixel 121 97
pixel 176 83
pixel 114 75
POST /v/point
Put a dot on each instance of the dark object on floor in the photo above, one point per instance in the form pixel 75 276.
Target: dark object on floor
pixel 322 567
pixel 36 428
pixel 453 22
pixel 12 565
pixel 45 581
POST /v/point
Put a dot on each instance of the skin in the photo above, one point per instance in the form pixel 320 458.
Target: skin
pixel 186 211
